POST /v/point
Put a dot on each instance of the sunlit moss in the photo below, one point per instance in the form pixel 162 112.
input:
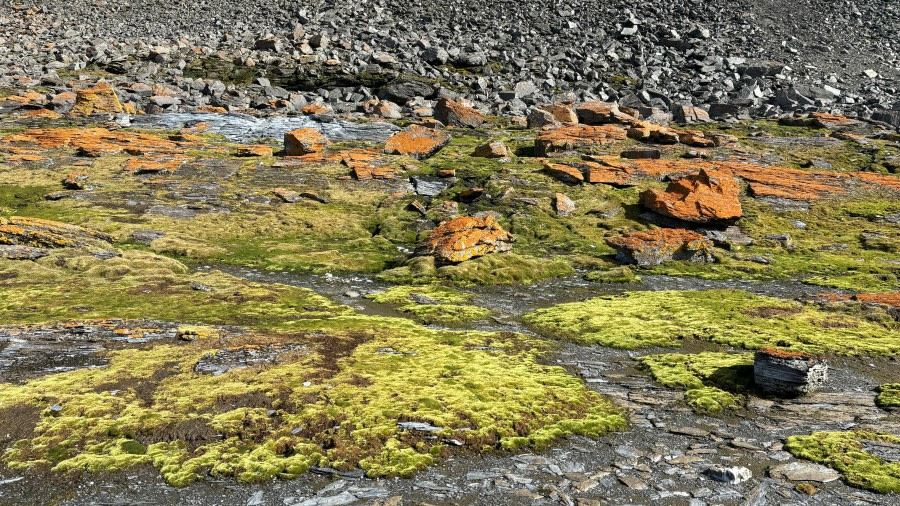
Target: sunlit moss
pixel 846 452
pixel 712 381
pixel 433 304
pixel 888 395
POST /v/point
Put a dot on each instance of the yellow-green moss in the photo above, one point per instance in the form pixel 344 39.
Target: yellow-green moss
pixel 487 390
pixel 433 304
pixel 845 452
pixel 733 317
pixel 710 380
pixel 889 395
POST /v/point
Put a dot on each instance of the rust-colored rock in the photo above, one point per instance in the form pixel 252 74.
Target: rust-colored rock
pixel 572 138
pixel 101 99
pixel 254 150
pixel 76 181
pixel 417 141
pixel 560 113
pixel 644 131
pixel 662 245
pixel 304 141
pixel 564 173
pixel 695 139
pixel 493 149
pixel 704 197
pixel 42 114
pixel 563 205
pixel 460 239
pixel 600 113
pixel 452 113
pixel 315 109
pixel 367 172
pixel 212 109
pixel 39 233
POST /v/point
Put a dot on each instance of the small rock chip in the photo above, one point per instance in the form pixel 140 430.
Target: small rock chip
pixel 563 205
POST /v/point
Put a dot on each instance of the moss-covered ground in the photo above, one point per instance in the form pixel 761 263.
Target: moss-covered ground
pixel 712 382
pixel 846 452
pixel 431 304
pixel 888 395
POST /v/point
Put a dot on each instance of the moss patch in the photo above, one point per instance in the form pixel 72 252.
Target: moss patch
pixel 846 452
pixel 888 395
pixel 710 380
pixel 733 317
pixel 433 304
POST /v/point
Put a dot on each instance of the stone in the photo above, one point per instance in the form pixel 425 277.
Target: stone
pixel 304 141
pixel 101 99
pixel 287 196
pixel 463 238
pixel 600 113
pixel 252 150
pixel 644 131
pixel 493 149
pixel 564 173
pixel 689 114
pixel 429 186
pixel 452 113
pixel 804 471
pixel 561 113
pixel 788 373
pixel 654 247
pixel 733 475
pixel 388 110
pixel 563 205
pixel 706 197
pixel 575 137
pixel 641 153
pixel 417 141
pixel 76 181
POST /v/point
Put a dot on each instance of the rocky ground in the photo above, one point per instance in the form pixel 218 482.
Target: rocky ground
pixel 265 258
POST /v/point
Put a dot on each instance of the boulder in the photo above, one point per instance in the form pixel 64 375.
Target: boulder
pixel 493 149
pixel 644 131
pixel 452 113
pixel 654 247
pixel 560 113
pixel 600 113
pixel 689 114
pixel 101 99
pixel 571 138
pixel 563 205
pixel 705 197
pixel 460 239
pixel 788 373
pixel 417 141
pixel 304 141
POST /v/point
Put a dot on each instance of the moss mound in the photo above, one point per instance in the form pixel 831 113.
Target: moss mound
pixel 432 304
pixel 710 380
pixel 888 395
pixel 851 453
pixel 733 317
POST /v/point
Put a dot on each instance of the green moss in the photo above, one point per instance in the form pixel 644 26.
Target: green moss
pixel 733 317
pixel 507 268
pixel 846 452
pixel 619 274
pixel 710 380
pixel 888 395
pixel 432 304
pixel 337 403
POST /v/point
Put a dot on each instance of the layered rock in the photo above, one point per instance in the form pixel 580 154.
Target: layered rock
pixel 460 239
pixel 24 238
pixel 575 137
pixel 705 197
pixel 600 113
pixel 788 373
pixel 101 99
pixel 452 113
pixel 417 141
pixel 304 141
pixel 493 149
pixel 654 247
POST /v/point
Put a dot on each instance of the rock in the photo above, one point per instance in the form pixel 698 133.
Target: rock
pixel 644 131
pixel 600 113
pixel 571 138
pixel 733 475
pixel 732 237
pixel 788 373
pixel 689 114
pixel 804 471
pixel 304 141
pixel 661 245
pixel 254 150
pixel 539 118
pixel 429 186
pixel 560 113
pixel 417 141
pixel 705 197
pixel 564 173
pixel 452 113
pixel 402 92
pixel 287 196
pixel 387 109
pixel 493 149
pixel 632 482
pixel 460 239
pixel 76 181
pixel 21 252
pixel 101 99
pixel 641 153
pixel 563 205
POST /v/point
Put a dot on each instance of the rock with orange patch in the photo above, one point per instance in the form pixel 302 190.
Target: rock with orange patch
pixel 76 181
pixel 645 131
pixel 820 120
pixel 99 100
pixel 155 164
pixel 575 137
pixel 39 233
pixel 493 149
pixel 706 197
pixel 253 150
pixel 564 173
pixel 42 113
pixel 549 114
pixel 304 141
pixel 788 373
pixel 460 239
pixel 662 245
pixel 314 109
pixel 887 299
pixel 600 113
pixel 695 139
pixel 452 113
pixel 417 141
pixel 212 109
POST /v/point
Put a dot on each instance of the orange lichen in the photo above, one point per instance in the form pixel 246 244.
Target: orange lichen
pixel 417 141
pixel 466 237
pixel 575 137
pixel 709 195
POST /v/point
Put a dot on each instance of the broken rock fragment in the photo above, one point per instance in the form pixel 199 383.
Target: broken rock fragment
pixel 788 373
pixel 705 197
pixel 654 247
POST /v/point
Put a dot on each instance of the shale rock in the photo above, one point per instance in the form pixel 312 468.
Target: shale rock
pixel 452 113
pixel 788 373
pixel 466 237
pixel 705 197
pixel 661 245
pixel 417 141
pixel 304 141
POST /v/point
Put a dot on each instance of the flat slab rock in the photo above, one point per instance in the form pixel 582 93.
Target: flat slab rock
pixel 804 471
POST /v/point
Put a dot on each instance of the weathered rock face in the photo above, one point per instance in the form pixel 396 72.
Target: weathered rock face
pixel 493 149
pixel 99 100
pixel 644 131
pixel 417 141
pixel 662 245
pixel 466 237
pixel 452 113
pixel 600 113
pixel 788 373
pixel 23 238
pixel 304 141
pixel 570 138
pixel 705 197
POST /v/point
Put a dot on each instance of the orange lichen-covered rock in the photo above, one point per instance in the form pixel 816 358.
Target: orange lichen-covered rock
pixel 254 150
pixel 704 197
pixel 571 138
pixel 212 109
pixel 599 113
pixel 76 181
pixel 314 109
pixel 493 149
pixel 38 233
pixel 417 141
pixel 42 113
pixel 304 141
pixel 460 239
pixel 564 173
pixel 662 245
pixel 452 113
pixel 644 131
pixel 562 113
pixel 367 172
pixel 155 164
pixel 101 99
pixel 91 141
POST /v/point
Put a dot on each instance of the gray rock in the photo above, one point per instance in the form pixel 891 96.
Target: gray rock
pixel 804 471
